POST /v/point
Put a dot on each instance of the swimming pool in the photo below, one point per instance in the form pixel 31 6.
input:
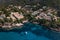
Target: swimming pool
pixel 30 32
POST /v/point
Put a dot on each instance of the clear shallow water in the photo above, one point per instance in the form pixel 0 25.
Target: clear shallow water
pixel 30 32
pixel 21 36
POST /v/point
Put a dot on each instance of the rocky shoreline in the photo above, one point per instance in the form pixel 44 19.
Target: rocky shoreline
pixel 8 26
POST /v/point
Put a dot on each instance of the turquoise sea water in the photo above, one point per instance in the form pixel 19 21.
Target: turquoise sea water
pixel 30 32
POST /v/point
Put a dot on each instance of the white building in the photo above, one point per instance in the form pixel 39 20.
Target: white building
pixel 7 25
pixel 19 24
pixel 35 12
pixel 17 15
pixel 12 17
pixel 44 16
pixel 19 7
